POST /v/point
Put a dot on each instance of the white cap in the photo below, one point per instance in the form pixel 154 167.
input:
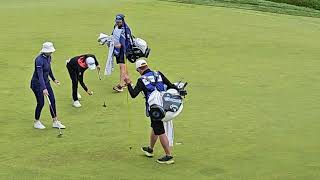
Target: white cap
pixel 47 47
pixel 91 63
pixel 140 63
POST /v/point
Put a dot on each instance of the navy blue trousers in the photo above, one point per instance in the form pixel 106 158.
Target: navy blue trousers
pixel 40 101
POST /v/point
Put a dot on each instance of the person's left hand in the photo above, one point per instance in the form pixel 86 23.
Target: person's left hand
pixel 57 82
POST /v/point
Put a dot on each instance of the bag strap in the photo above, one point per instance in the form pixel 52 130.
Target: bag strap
pixel 126 33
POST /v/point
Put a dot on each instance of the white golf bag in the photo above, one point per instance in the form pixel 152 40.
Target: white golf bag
pixel 165 106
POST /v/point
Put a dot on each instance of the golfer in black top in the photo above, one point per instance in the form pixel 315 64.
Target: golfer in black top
pixel 76 67
pixel 147 83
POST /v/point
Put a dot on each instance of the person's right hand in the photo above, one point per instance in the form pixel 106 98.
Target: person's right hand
pixel 90 92
pixel 127 80
pixel 98 68
pixel 45 92
pixel 117 45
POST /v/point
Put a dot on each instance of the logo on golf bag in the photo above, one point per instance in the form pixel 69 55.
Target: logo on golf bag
pixel 171 102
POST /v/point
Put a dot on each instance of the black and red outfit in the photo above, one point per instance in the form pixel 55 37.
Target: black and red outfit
pixel 76 68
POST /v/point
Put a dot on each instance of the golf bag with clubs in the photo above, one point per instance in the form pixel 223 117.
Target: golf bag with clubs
pixel 138 49
pixel 165 106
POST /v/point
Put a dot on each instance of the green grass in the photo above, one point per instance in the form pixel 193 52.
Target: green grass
pixel 303 8
pixel 252 111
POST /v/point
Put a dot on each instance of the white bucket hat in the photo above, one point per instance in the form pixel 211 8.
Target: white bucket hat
pixel 140 63
pixel 91 63
pixel 47 47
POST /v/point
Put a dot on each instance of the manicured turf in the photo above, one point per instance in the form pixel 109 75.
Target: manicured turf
pixel 252 111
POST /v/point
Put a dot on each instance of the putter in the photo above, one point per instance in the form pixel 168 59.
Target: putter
pixel 49 102
pixel 129 111
pixel 99 75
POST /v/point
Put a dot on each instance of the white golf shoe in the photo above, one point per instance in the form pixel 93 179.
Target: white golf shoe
pixel 76 104
pixel 38 125
pixel 79 95
pixel 58 124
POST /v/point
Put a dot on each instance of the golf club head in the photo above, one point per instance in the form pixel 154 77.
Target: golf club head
pixel 99 76
pixel 60 133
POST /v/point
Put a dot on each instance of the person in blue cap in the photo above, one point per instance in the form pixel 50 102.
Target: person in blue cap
pixel 123 44
pixel 40 85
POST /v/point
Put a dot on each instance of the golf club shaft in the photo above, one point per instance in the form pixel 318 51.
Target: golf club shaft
pixel 47 96
pixel 99 75
pixel 128 111
pixel 50 106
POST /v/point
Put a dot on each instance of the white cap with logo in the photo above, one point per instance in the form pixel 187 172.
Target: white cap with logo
pixel 91 63
pixel 140 63
pixel 47 47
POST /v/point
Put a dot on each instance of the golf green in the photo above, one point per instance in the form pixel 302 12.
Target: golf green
pixel 252 111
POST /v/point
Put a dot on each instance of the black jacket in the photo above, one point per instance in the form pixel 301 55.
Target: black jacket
pixel 140 87
pixel 76 65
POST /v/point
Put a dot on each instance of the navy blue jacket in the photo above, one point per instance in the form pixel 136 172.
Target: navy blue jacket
pixel 42 71
pixel 126 42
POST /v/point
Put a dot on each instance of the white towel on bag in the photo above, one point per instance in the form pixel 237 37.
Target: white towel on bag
pixel 110 62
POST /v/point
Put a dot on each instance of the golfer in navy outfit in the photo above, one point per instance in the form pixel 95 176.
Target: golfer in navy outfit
pixel 40 85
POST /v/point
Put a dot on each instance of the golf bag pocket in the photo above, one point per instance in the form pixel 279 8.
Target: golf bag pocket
pixel 156 111
pixel 165 106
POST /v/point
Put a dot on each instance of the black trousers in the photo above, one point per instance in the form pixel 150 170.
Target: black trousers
pixel 120 57
pixel 40 101
pixel 74 78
